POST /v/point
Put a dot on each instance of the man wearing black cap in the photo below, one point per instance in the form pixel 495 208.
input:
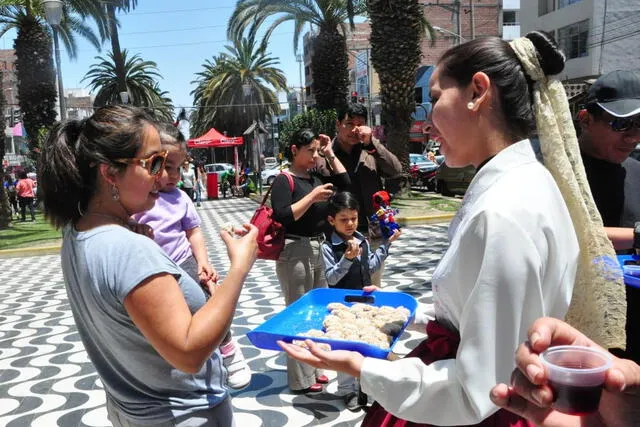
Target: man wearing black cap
pixel 610 125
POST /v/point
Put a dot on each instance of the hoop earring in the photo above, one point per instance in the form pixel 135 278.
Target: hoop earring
pixel 115 194
pixel 470 105
pixel 80 208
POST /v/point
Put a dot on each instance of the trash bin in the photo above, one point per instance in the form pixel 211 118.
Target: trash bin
pixel 212 185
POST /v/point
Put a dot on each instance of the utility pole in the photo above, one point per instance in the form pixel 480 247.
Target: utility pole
pixel 473 25
pixel 299 58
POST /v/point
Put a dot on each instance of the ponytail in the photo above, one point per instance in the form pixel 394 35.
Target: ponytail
pixel 73 151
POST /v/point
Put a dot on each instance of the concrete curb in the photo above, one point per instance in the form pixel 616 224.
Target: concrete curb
pixel 427 219
pixel 24 252
pixel 54 249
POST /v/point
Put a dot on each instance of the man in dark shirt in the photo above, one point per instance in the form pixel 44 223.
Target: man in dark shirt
pixel 367 161
pixel 610 125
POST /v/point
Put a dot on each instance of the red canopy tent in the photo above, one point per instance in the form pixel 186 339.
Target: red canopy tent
pixel 214 139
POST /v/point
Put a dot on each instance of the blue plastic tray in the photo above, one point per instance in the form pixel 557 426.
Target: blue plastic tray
pixel 629 280
pixel 309 312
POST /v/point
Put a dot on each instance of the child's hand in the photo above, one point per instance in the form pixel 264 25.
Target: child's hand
pixel 353 250
pixel 206 272
pixel 370 288
pixel 395 235
pixel 142 229
pixel 209 286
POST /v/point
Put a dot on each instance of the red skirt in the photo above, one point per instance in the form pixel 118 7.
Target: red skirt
pixel 441 343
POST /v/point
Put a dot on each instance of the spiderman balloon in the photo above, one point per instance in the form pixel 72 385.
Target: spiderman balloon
pixel 385 215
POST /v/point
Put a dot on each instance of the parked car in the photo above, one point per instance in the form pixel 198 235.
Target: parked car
pixel 452 181
pixel 218 168
pixel 269 175
pixel 422 163
pixel 269 162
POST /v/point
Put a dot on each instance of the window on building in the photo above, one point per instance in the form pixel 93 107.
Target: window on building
pixel 546 6
pixel 510 17
pixel 565 3
pixel 573 39
pixel 307 70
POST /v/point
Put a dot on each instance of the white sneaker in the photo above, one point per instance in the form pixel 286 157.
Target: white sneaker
pixel 238 372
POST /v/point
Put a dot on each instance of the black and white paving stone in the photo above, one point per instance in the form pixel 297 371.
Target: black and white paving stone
pixel 46 378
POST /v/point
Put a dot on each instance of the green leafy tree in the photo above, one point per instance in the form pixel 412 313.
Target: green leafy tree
pixel 320 121
pixel 140 81
pixel 34 62
pixel 36 79
pixel 329 63
pixel 219 93
pixel 395 54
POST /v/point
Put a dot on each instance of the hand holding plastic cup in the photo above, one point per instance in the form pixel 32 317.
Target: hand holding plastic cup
pixel 576 376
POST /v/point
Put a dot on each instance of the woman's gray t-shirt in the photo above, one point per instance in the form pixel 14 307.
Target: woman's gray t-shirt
pixel 101 266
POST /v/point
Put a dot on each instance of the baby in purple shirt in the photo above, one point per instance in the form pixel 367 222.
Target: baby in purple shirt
pixel 176 228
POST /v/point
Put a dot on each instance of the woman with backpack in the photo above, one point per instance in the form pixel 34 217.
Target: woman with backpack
pixel 299 201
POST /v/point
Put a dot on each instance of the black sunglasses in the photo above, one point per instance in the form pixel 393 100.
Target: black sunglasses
pixel 624 124
pixel 154 163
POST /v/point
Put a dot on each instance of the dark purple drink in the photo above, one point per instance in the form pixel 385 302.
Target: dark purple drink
pixel 575 399
pixel 576 376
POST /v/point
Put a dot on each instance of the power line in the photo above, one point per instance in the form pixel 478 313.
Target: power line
pixel 157 12
pixel 205 27
pixel 185 44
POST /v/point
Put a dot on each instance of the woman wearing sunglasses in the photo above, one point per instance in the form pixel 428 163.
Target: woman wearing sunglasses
pixel 146 325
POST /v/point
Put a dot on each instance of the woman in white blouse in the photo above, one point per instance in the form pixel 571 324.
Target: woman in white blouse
pixel 513 251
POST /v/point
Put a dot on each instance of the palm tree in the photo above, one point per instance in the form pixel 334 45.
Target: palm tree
pixel 395 54
pixel 111 8
pixel 329 63
pixel 219 92
pixel 140 81
pixel 34 64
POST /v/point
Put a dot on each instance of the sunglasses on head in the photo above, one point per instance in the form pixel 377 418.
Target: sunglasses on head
pixel 154 163
pixel 624 124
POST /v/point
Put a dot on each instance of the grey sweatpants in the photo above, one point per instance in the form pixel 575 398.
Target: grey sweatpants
pixel 300 269
pixel 218 416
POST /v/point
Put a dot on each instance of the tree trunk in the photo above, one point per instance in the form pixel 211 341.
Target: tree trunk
pixel 329 66
pixel 395 54
pixel 115 48
pixel 5 207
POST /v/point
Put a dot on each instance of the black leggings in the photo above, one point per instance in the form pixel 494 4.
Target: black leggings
pixel 189 192
pixel 24 203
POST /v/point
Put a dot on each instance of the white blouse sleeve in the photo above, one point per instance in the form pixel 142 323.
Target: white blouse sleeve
pixel 497 271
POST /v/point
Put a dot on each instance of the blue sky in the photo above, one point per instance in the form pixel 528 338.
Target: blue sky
pixel 178 36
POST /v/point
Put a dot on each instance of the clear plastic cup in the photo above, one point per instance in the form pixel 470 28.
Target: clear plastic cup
pixel 576 376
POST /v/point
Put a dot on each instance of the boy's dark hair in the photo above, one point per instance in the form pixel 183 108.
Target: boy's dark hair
pixel 22 174
pixel 341 201
pixel 352 110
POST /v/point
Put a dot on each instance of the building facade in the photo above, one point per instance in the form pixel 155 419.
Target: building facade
pixel 79 103
pixel 597 36
pixel 9 85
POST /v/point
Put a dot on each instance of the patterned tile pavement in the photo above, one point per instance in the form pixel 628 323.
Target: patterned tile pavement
pixel 46 378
